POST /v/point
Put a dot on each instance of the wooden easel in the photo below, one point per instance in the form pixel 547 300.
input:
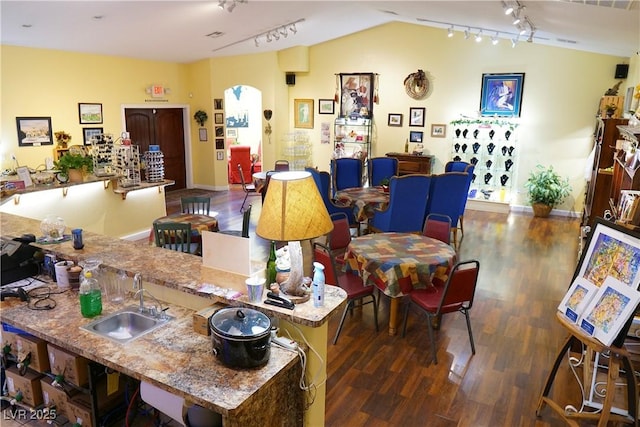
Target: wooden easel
pixel 618 357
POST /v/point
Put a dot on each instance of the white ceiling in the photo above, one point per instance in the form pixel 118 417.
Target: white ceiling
pixel 177 30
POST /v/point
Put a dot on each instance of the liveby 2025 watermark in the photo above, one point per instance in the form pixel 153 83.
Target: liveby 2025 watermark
pixel 24 414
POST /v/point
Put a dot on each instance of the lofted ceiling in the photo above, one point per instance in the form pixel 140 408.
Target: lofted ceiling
pixel 185 31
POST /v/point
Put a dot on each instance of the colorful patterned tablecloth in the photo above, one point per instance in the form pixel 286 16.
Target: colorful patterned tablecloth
pixel 364 201
pixel 198 223
pixel 397 263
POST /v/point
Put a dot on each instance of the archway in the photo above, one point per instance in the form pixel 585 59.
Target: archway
pixel 243 119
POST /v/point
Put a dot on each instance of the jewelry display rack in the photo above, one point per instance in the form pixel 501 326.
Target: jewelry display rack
pixel 490 145
pixel 126 164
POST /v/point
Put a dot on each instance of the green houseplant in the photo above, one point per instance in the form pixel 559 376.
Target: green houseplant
pixel 200 117
pixel 546 190
pixel 70 162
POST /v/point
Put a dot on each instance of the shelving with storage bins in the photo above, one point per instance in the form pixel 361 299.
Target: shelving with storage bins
pixel 126 165
pixel 491 145
pixel 297 150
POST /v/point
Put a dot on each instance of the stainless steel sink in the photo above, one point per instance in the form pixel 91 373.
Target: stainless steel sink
pixel 126 325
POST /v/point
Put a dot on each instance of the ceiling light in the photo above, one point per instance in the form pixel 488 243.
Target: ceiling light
pixel 466 33
pixel 221 4
pixel 514 41
pixel 530 39
pixel 276 35
pixel 231 7
pixel 516 18
pixel 268 37
pixel 522 30
pixel 495 40
pixel 256 41
pixel 284 32
pixel 450 32
pixel 507 8
pixel 293 28
pixel 479 37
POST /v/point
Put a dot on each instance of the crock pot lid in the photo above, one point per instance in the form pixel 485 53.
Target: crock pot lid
pixel 240 322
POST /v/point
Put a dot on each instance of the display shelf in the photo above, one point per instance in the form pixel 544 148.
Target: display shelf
pixel 490 145
pixel 126 165
pixel 297 150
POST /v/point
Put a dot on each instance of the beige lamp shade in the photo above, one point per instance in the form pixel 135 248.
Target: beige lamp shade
pixel 293 209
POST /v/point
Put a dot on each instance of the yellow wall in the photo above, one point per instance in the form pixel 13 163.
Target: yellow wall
pixel 562 89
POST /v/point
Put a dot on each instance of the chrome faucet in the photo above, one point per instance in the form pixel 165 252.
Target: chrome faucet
pixel 155 311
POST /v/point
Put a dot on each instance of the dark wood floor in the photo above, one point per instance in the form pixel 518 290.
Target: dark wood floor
pixel 378 380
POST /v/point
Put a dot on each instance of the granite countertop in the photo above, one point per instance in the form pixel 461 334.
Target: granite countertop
pixel 174 270
pixel 172 357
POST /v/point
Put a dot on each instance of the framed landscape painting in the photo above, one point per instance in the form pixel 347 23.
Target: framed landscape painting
pixel 501 94
pixel 90 113
pixel 34 131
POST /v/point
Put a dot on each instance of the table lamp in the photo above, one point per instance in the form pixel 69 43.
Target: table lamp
pixel 293 210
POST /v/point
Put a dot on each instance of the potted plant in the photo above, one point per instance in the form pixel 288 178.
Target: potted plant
pixel 384 183
pixel 72 165
pixel 200 117
pixel 546 190
pixel 610 109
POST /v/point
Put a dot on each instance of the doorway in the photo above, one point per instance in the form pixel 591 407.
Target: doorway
pixel 243 120
pixel 163 127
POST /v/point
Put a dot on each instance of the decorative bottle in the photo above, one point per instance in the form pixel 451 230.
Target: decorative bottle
pixel 271 266
pixel 318 285
pixel 406 146
pixel 90 296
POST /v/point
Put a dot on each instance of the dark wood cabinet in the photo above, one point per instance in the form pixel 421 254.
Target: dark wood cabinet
pixel 413 163
pixel 599 186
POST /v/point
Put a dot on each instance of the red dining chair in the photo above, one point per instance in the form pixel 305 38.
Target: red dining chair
pixel 339 238
pixel 351 283
pixel 456 295
pixel 281 165
pixel 438 226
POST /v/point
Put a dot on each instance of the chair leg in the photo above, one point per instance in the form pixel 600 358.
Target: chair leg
pixel 432 339
pixel 344 314
pixel 244 201
pixel 404 321
pixel 473 347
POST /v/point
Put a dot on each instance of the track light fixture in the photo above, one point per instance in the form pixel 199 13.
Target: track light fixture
pixel 450 32
pixel 479 36
pixel 230 5
pixel 467 32
pixel 495 40
pixel 269 35
pixel 508 9
pixel 292 28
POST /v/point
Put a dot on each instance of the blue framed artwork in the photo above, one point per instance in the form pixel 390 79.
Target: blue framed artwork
pixel 501 95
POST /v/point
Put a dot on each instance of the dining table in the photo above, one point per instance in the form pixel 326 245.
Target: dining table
pixel 397 263
pixel 364 201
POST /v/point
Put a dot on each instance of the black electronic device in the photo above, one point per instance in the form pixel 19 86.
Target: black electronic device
pixel 278 301
pixel 18 259
pixel 14 293
pixel 621 71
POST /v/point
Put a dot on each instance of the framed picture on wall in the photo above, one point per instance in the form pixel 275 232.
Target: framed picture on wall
pixel 416 116
pixel 303 111
pixel 34 131
pixel 415 136
pixel 90 113
pixel 325 106
pixel 394 119
pixel 202 134
pixel 218 118
pixel 217 103
pixel 501 94
pixel 219 143
pixel 89 133
pixel 356 95
pixel 438 131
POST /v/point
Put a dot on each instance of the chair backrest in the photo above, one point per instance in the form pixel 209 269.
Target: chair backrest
pixel 246 217
pixel 173 235
pixel 438 227
pixel 340 237
pixel 456 166
pixel 323 182
pixel 242 181
pixel 460 288
pixel 195 205
pixel 408 197
pixel 239 154
pixel 382 168
pixel 448 195
pixel 346 173
pixel 322 254
pixel 281 165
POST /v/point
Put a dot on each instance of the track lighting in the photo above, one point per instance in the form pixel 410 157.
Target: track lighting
pixel 257 42
pixel 230 4
pixel 450 32
pixel 479 37
pixel 231 7
pixel 516 18
pixel 467 33
pixel 284 32
pixel 268 37
pixel 276 35
pixel 293 28
pixel 221 4
pixel 508 9
pixel 495 40
pixel 514 41
pixel 522 30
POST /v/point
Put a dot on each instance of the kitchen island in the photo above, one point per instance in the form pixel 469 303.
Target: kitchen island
pixel 173 357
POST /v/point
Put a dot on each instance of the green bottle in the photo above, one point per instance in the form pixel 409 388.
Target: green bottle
pixel 271 266
pixel 90 296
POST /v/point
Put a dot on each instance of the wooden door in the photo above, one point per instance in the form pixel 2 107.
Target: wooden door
pixel 163 127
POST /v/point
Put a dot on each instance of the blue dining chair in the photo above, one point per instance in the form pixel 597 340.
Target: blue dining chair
pixel 323 181
pixel 446 197
pixel 382 168
pixel 408 196
pixel 456 166
pixel 346 173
